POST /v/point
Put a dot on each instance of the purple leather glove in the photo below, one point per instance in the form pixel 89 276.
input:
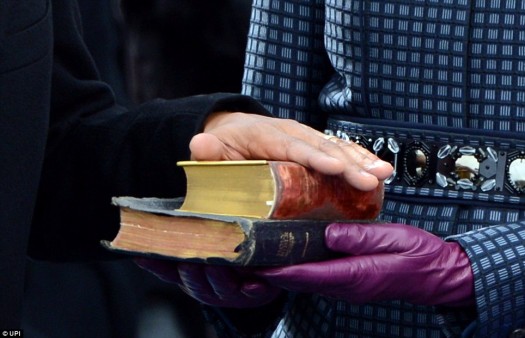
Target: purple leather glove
pixel 218 286
pixel 384 262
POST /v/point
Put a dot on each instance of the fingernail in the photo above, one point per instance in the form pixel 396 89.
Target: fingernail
pixel 375 164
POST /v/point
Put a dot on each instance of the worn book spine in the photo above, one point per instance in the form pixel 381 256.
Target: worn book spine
pixel 282 243
pixel 266 242
pixel 306 193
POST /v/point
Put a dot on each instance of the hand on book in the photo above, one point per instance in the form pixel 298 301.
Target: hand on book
pixel 218 286
pixel 238 136
pixel 384 262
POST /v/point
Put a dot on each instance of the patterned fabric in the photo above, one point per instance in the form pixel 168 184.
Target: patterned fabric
pixel 498 262
pixel 452 63
pixel 286 64
pixel 429 65
pixel 310 317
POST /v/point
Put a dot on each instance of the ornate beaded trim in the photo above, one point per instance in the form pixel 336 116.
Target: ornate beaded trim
pixel 437 163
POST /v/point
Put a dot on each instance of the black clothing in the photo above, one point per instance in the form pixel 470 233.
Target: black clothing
pixel 65 140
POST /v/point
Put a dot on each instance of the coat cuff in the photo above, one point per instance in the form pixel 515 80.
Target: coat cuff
pixel 497 256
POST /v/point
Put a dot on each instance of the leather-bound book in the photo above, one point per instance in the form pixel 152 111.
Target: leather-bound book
pixel 256 213
pixel 274 190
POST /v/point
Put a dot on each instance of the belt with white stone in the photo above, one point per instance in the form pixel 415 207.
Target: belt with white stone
pixel 434 163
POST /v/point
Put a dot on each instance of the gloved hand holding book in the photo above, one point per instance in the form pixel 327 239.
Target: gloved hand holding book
pixel 384 262
pixel 219 286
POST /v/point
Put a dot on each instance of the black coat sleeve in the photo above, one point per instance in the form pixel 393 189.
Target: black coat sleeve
pixel 97 150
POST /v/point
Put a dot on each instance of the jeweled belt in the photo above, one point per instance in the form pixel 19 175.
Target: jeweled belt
pixel 437 163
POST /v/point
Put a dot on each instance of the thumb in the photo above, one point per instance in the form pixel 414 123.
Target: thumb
pixel 207 147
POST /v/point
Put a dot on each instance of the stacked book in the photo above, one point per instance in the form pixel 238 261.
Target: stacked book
pixel 257 213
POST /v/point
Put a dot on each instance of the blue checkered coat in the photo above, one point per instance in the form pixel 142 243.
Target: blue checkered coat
pixel 445 71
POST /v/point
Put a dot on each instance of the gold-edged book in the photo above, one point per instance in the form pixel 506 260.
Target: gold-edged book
pixel 274 190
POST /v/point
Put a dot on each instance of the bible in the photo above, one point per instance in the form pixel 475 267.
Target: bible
pixel 234 234
pixel 274 190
